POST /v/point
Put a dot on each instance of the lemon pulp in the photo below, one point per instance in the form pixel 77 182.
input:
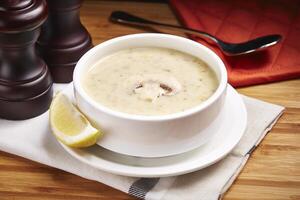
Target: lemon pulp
pixel 69 125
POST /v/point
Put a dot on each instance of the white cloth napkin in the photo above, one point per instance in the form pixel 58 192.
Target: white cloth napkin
pixel 32 139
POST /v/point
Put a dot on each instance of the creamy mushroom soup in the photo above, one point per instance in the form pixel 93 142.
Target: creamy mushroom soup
pixel 150 81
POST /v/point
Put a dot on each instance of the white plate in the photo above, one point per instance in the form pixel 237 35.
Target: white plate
pixel 230 130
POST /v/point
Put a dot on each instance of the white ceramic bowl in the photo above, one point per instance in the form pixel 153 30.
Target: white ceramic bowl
pixel 152 136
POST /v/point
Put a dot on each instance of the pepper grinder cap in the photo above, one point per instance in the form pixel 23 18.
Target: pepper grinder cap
pixel 21 15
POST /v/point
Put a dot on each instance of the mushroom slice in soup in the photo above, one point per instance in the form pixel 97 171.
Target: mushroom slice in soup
pixel 152 86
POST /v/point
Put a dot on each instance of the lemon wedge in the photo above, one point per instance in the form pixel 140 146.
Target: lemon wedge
pixel 69 125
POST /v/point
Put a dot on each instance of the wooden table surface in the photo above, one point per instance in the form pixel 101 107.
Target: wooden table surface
pixel 272 172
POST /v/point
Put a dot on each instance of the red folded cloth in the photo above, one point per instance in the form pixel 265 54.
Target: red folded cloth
pixel 237 21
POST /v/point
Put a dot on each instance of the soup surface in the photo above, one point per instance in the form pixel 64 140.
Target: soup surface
pixel 149 81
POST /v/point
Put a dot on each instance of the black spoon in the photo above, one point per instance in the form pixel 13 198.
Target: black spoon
pixel 230 49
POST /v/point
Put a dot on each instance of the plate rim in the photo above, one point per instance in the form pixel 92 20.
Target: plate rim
pixel 213 159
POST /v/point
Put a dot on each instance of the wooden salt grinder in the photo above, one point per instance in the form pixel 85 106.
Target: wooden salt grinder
pixel 25 82
pixel 63 39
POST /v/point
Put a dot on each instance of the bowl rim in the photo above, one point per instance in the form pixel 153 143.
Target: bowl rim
pixel 177 115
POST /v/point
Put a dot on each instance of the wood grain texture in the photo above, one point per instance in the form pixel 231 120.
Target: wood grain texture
pixel 272 172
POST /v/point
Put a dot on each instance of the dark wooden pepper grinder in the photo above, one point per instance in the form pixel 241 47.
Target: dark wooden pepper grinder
pixel 63 39
pixel 25 82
